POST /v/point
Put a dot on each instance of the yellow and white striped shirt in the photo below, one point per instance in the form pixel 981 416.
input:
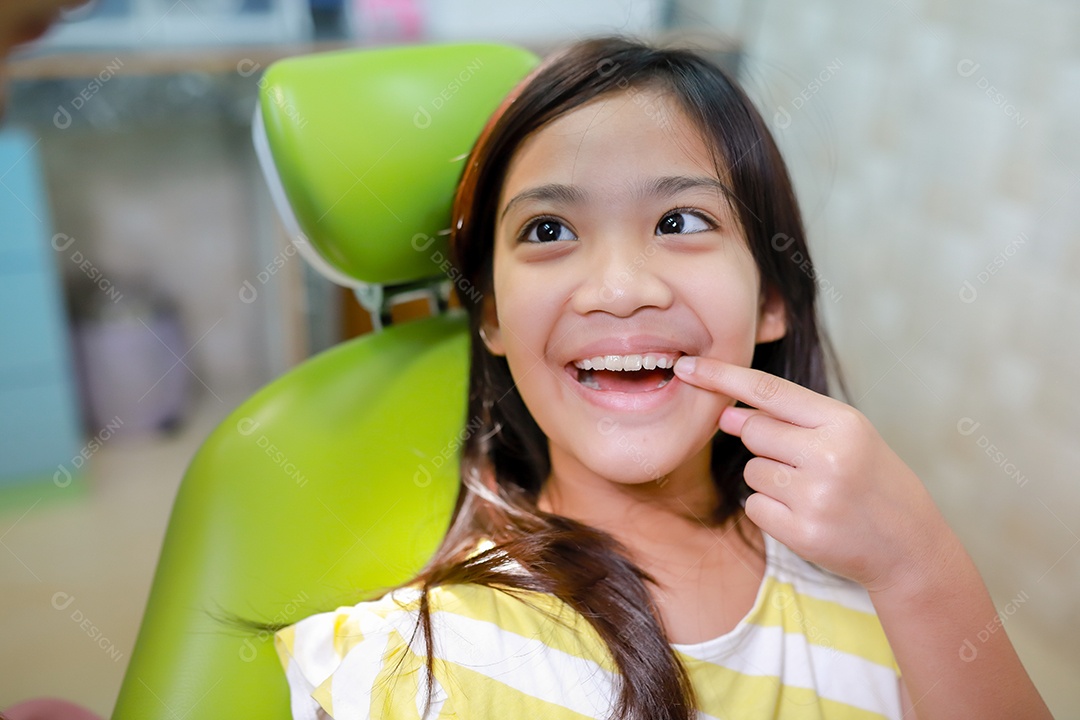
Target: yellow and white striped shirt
pixel 810 648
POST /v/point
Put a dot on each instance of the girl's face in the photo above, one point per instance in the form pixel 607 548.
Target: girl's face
pixel 613 238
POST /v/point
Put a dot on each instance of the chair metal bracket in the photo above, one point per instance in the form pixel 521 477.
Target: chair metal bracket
pixel 379 300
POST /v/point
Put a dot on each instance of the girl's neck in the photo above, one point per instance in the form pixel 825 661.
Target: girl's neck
pixel 658 521
pixel 706 578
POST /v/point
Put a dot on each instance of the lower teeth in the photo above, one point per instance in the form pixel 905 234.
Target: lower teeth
pixel 590 382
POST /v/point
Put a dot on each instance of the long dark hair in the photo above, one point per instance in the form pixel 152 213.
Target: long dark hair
pixel 505 461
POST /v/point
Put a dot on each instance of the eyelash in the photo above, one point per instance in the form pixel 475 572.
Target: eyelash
pixel 674 211
pixel 523 235
pixel 696 213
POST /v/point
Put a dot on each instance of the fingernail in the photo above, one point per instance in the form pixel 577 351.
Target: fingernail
pixel 685 365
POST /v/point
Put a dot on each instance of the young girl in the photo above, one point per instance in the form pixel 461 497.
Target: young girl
pixel 628 542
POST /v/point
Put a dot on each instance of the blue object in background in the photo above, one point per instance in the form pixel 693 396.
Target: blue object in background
pixel 328 19
pixel 40 433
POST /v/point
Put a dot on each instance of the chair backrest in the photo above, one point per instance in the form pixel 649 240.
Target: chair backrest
pixel 337 478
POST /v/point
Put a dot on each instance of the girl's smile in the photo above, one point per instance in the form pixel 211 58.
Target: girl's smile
pixel 627 375
pixel 616 252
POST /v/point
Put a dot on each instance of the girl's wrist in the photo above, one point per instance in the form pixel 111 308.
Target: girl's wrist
pixel 932 567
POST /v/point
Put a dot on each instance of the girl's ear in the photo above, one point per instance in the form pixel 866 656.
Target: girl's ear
pixel 489 327
pixel 772 316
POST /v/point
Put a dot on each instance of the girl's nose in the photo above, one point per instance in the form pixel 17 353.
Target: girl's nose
pixel 619 277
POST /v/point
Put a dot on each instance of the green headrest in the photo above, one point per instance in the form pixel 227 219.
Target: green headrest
pixel 363 149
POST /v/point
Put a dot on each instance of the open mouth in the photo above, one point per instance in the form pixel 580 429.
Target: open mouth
pixel 624 373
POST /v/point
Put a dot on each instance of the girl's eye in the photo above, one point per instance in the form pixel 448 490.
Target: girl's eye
pixel 547 230
pixel 682 221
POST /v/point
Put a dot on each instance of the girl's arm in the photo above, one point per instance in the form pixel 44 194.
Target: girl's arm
pixel 828 487
pixel 947 637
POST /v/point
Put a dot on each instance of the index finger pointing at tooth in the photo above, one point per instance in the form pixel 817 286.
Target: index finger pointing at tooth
pixel 781 398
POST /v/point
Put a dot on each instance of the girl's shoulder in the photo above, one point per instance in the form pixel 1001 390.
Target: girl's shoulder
pixel 798 598
pixel 802 604
pixel 788 574
pixel 515 648
pixel 812 642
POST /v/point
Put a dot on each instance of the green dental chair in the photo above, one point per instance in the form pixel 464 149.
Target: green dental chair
pixel 333 480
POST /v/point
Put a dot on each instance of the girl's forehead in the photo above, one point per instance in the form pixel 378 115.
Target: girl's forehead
pixel 612 140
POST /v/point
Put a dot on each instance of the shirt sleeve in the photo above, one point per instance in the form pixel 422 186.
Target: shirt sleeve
pixel 354 663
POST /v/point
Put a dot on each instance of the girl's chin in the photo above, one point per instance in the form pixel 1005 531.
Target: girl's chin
pixel 639 469
pixel 634 456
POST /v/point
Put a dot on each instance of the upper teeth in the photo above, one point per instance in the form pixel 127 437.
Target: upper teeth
pixel 626 362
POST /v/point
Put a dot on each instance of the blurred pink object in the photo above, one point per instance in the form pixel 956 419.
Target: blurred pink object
pixel 134 373
pixel 388 20
pixel 48 709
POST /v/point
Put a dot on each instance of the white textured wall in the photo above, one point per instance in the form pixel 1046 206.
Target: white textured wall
pixel 931 142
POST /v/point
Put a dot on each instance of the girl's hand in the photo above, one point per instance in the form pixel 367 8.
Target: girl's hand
pixel 827 485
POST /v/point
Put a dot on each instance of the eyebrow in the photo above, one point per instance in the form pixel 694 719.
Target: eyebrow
pixel 665 186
